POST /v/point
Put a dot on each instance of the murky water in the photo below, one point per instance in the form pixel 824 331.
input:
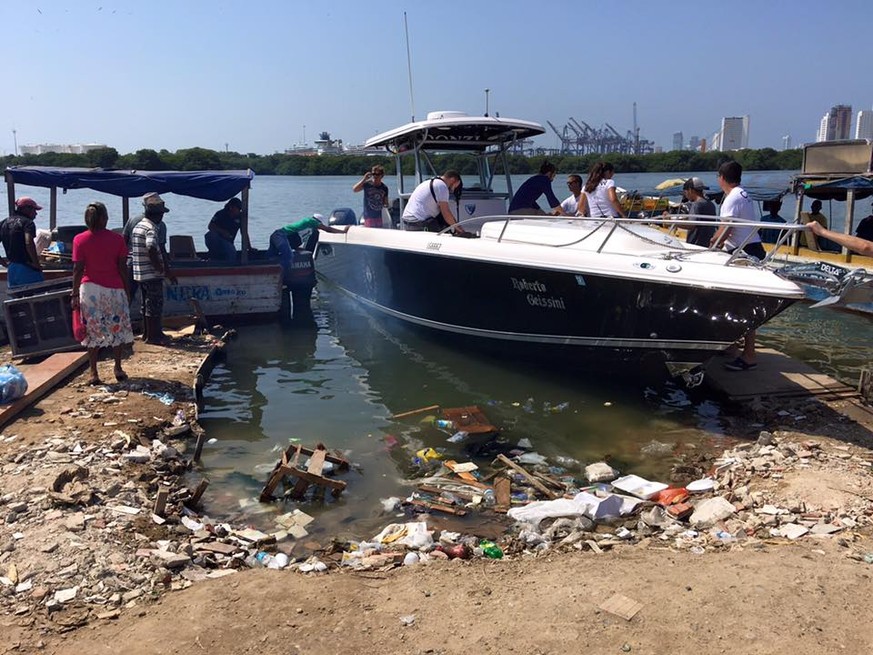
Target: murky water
pixel 341 381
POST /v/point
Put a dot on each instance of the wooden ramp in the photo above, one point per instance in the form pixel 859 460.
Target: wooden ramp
pixel 778 376
pixel 41 378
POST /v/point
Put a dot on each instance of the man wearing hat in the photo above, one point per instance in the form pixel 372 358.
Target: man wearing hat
pixel 18 234
pixel 223 228
pixel 698 205
pixel 151 266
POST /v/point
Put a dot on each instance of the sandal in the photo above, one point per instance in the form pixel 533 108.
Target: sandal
pixel 740 364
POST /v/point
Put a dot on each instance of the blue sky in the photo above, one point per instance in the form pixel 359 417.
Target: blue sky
pixel 181 73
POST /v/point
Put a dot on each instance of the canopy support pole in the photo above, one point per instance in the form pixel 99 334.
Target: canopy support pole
pixel 125 210
pixel 795 237
pixel 10 193
pixel 244 227
pixel 53 208
pixel 850 220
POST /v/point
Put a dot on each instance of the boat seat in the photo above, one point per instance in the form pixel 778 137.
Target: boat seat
pixel 182 247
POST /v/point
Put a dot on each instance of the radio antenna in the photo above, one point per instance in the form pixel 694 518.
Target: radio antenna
pixel 409 67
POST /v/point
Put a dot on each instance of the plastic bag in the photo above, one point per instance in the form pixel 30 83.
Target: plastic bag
pixel 12 384
pixel 79 330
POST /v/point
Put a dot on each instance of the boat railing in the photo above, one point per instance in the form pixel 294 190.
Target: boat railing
pixel 668 223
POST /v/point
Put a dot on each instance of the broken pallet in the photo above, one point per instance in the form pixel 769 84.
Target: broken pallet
pixel 288 467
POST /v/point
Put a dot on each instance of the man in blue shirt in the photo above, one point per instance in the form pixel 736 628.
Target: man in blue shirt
pixel 525 199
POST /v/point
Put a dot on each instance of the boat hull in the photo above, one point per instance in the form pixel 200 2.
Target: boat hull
pixel 573 316
pixel 227 293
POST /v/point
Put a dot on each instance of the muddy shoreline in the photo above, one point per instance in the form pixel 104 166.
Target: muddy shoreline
pixel 80 549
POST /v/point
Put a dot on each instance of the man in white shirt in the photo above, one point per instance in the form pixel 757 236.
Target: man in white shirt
pixel 427 209
pixel 737 204
pixel 570 206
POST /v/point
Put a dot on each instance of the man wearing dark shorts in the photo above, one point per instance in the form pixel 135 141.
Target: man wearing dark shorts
pixel 150 267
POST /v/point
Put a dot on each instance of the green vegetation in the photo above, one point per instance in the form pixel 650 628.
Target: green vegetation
pixel 192 159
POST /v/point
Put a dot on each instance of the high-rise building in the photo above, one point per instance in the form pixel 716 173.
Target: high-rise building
pixel 715 141
pixel 836 124
pixel 786 142
pixel 693 142
pixel 864 125
pixel 677 140
pixel 734 133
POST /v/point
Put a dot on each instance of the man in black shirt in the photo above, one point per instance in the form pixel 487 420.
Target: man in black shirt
pixel 223 229
pixel 18 233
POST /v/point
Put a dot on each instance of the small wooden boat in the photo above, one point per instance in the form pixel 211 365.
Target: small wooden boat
pixel 248 289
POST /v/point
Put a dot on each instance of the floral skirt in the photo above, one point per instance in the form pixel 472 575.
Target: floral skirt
pixel 106 313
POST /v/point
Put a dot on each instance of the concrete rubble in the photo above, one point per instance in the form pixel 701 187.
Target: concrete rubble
pixel 80 538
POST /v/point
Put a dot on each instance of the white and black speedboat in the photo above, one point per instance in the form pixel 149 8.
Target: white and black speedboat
pixel 603 293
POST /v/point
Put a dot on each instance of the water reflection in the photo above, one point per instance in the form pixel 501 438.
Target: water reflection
pixel 340 381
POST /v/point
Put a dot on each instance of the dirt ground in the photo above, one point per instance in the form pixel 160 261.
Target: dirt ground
pixel 802 597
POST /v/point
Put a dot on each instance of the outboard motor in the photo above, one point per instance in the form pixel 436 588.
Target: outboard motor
pixel 298 273
pixel 342 216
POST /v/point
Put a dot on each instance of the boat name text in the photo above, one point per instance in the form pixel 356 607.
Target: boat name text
pixel 526 285
pixel 535 294
pixel 186 292
pixel 548 302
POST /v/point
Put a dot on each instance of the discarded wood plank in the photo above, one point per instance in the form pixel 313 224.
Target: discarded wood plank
pixel 317 479
pixel 201 323
pixel 593 546
pixel 198 447
pixel 622 606
pixel 411 412
pixel 315 466
pixel 216 547
pixel 463 495
pixel 502 494
pixel 275 478
pixel 469 419
pixel 539 486
pixel 194 500
pixel 161 502
pixel 437 507
pixel 336 458
pixel 462 473
pixel 550 481
pixel 42 378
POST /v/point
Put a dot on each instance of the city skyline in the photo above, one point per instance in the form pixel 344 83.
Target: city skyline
pixel 254 78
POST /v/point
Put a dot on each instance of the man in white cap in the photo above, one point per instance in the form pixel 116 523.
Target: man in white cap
pixel 18 234
pixel 151 266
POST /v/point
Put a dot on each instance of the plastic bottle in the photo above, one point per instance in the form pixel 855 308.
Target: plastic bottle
pixel 491 550
pixel 444 423
pixel 488 498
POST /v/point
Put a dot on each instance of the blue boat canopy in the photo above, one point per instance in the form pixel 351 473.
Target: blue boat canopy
pixel 207 185
pixel 836 189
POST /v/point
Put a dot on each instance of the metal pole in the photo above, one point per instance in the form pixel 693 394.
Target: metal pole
pixel 15 141
pixel 850 219
pixel 486 101
pixel 409 67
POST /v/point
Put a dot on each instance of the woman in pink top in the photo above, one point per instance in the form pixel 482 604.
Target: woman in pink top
pixel 100 289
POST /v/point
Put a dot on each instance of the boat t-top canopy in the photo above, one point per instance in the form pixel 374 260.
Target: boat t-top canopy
pixel 455 130
pixel 206 185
